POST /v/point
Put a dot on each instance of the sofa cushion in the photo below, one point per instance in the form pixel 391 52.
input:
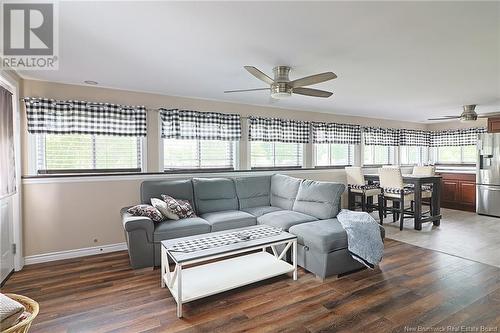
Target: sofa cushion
pixel 180 228
pixel 284 219
pixel 229 219
pixel 146 211
pixel 323 236
pixel 283 191
pixel 319 199
pixel 259 211
pixel 253 191
pixel 214 195
pixel 179 189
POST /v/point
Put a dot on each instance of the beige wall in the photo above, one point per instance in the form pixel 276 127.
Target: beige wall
pixel 69 214
pixel 482 122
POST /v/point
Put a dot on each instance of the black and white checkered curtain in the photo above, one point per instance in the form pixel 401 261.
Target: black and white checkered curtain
pixel 186 124
pixel 412 137
pixel 278 130
pixel 78 117
pixel 458 137
pixel 336 133
pixel 376 136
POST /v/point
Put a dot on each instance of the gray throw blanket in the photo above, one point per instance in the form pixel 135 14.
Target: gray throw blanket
pixel 364 241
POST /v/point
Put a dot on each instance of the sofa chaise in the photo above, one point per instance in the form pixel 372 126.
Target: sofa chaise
pixel 306 208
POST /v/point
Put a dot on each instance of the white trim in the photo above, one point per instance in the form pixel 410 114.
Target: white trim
pixel 12 85
pixel 76 253
pixel 87 179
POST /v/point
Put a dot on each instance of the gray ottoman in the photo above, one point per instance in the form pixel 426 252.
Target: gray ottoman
pixel 322 248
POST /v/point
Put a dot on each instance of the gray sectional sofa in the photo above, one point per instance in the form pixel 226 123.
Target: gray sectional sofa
pixel 306 208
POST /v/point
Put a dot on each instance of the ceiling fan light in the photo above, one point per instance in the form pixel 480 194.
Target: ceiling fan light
pixel 280 90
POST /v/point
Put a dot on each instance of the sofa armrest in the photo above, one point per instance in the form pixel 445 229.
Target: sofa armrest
pixel 132 223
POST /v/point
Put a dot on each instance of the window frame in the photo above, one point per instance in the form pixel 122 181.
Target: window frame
pixel 33 162
pixel 351 155
pixel 394 154
pixel 435 156
pixel 234 152
pixel 300 157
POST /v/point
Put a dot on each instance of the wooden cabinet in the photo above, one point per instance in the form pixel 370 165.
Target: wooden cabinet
pixel 494 125
pixel 458 191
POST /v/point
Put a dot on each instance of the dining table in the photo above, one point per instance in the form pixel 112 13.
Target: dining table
pixel 418 181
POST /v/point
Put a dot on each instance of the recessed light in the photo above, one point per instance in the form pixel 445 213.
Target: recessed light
pixel 93 83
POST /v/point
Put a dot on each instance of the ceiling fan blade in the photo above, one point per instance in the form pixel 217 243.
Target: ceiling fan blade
pixel 312 92
pixel 313 79
pixel 244 90
pixel 445 118
pixel 258 74
pixel 489 115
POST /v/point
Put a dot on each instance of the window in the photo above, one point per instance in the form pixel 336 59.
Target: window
pixel 198 154
pixel 455 154
pixel 87 153
pixel 275 154
pixel 410 155
pixel 327 154
pixel 377 155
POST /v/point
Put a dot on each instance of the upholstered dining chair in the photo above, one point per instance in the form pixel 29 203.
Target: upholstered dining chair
pixel 427 170
pixel 393 189
pixel 357 187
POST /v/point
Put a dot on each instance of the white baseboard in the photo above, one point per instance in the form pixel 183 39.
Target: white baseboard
pixel 76 253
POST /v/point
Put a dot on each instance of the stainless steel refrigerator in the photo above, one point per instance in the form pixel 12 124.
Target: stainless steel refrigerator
pixel 488 174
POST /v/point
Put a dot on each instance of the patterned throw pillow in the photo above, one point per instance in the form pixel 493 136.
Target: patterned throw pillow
pixel 181 208
pixel 164 209
pixel 146 211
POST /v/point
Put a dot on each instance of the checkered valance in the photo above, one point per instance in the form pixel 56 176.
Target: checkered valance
pixel 78 117
pixel 376 136
pixel 186 124
pixel 458 137
pixel 412 137
pixel 336 133
pixel 278 130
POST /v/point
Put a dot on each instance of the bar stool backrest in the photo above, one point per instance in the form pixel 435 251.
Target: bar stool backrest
pixel 355 176
pixel 391 178
pixel 429 170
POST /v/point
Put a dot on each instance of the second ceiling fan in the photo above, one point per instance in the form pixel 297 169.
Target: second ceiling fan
pixel 282 87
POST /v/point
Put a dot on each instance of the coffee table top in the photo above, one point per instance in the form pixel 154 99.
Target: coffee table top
pixel 181 257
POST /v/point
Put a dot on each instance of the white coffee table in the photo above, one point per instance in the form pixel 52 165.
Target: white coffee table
pixel 245 265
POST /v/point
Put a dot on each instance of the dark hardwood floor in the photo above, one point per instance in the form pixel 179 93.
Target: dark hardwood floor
pixel 413 287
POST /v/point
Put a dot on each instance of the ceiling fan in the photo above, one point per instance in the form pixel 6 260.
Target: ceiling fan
pixel 282 87
pixel 468 115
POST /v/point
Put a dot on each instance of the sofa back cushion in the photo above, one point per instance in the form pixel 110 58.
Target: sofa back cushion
pixel 214 195
pixel 284 190
pixel 319 199
pixel 253 191
pixel 178 189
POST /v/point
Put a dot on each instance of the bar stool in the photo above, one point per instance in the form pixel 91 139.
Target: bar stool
pixel 393 189
pixel 427 170
pixel 357 187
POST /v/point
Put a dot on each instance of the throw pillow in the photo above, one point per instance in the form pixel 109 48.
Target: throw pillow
pixel 181 208
pixel 146 211
pixel 164 209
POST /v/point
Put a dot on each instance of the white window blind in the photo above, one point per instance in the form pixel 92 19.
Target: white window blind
pixel 328 154
pixel 410 155
pixel 378 155
pixel 275 154
pixel 198 154
pixel 87 153
pixel 455 154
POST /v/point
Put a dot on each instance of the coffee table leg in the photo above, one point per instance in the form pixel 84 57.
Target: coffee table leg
pixel 162 271
pixel 179 290
pixel 294 256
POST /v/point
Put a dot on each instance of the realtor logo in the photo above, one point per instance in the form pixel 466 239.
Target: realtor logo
pixel 29 36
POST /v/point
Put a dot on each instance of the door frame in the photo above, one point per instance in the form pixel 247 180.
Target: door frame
pixel 11 83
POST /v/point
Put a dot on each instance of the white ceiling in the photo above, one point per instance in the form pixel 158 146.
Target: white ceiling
pixel 395 60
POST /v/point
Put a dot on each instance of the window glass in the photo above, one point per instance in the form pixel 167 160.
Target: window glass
pixel 410 155
pixel 197 154
pixel 275 154
pixel 333 154
pixel 378 155
pixel 87 152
